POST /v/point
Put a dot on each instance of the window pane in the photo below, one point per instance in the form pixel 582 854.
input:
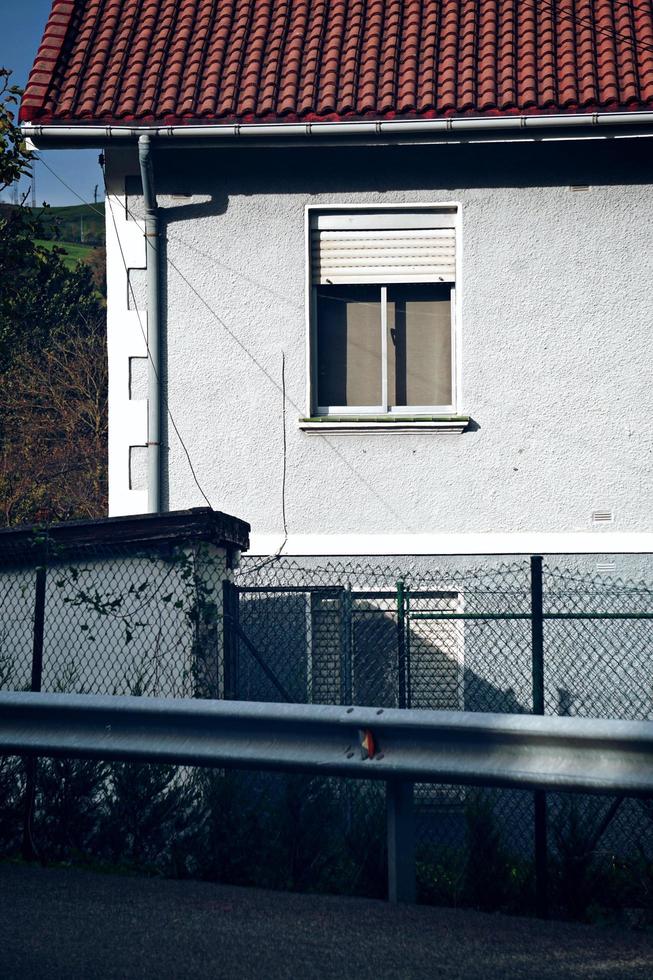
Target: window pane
pixel 349 345
pixel 419 345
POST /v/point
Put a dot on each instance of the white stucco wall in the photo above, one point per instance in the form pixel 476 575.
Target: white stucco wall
pixel 556 342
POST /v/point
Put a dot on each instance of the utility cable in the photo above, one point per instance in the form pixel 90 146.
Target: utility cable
pixel 181 275
pixel 605 31
pixel 283 544
pixel 68 187
pixel 230 332
pixel 369 486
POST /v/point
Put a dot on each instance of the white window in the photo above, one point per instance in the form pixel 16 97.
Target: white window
pixel 382 311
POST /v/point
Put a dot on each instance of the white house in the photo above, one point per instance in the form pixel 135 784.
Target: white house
pixel 380 279
pixel 392 261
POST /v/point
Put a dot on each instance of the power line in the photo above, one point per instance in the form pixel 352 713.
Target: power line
pixel 283 544
pixel 607 32
pixel 231 334
pixel 369 486
pixel 242 346
pixel 371 489
pixel 285 450
pixel 68 187
pixel 179 273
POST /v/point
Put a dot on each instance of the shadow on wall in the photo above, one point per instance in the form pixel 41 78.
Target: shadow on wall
pixel 332 646
pixel 321 170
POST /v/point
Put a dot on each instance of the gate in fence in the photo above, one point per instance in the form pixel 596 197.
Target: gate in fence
pixel 402 647
pixel 333 645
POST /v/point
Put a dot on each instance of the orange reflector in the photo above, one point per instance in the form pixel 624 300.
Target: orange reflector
pixel 368 748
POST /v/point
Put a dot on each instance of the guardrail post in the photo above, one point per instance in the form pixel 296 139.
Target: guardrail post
pixel 401 841
pixel 539 796
pixel 28 849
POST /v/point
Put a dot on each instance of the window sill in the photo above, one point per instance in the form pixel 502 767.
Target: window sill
pixel 449 424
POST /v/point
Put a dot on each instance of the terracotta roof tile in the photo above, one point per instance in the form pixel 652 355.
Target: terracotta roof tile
pixel 264 60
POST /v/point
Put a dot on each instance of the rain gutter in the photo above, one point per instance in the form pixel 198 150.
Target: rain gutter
pixel 509 126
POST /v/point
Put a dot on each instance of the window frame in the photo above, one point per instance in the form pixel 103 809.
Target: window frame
pixel 453 211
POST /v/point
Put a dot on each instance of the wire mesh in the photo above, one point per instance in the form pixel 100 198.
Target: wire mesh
pixel 119 621
pixel 428 633
pixel 16 628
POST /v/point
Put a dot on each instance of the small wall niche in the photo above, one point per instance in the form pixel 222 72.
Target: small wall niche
pixel 138 467
pixel 138 378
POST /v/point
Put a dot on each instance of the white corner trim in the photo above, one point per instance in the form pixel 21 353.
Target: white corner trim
pixel 489 543
pixel 125 328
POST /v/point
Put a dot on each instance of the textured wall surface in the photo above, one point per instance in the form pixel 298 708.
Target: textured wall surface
pixel 556 335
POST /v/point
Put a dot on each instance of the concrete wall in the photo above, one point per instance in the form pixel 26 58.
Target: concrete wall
pixel 555 356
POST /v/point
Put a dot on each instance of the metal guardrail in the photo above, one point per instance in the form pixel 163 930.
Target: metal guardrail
pixel 519 751
pixel 399 746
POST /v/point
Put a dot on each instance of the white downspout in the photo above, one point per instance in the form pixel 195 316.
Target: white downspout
pixel 153 326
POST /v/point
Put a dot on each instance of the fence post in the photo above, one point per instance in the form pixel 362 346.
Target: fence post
pixel 346 676
pixel 39 626
pixel 28 849
pixel 401 644
pixel 399 793
pixel 539 796
pixel 401 841
pixel 407 666
pixel 230 640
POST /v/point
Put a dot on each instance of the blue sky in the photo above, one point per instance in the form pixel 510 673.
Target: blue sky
pixel 22 27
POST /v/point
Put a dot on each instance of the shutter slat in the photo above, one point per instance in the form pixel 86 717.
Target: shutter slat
pixel 381 255
pixel 392 276
pixel 417 234
pixel 378 256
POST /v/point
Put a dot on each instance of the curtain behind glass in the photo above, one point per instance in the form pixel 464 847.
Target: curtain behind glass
pixel 349 361
pixel 419 345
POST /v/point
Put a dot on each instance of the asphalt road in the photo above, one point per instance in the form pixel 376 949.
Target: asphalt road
pixel 60 923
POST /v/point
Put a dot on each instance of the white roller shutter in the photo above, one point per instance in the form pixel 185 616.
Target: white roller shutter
pixel 383 255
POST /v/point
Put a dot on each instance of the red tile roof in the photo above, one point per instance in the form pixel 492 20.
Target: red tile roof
pixel 267 60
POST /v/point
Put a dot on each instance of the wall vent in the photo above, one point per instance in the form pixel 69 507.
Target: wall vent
pixel 579 188
pixel 602 516
pixel 606 567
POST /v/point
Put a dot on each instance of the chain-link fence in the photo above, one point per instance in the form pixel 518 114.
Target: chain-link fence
pixel 100 608
pixel 560 635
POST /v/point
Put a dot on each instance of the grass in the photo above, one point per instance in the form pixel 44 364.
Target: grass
pixel 73 252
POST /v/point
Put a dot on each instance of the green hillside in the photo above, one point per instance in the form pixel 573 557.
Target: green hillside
pixel 82 223
pixel 72 252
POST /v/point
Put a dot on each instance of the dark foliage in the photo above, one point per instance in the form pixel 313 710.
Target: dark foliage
pixel 52 361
